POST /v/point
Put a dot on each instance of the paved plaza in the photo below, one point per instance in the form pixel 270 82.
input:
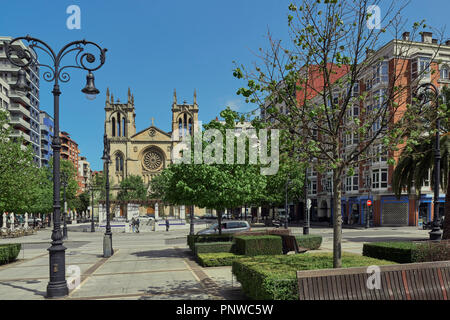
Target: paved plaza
pixel 147 265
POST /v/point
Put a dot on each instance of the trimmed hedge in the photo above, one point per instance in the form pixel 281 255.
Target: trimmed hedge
pixel 9 252
pixel 309 241
pixel 258 245
pixel 213 247
pixel 275 278
pixel 408 252
pixel 192 239
pixel 217 259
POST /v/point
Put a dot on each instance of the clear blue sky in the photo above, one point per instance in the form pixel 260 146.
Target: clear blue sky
pixel 155 46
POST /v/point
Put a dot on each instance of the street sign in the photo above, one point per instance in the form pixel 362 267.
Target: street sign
pixel 369 203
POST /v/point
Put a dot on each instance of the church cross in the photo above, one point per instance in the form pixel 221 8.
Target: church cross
pixel 153 119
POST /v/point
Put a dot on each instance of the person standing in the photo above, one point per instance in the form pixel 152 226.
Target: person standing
pixel 133 224
pixel 167 224
pixel 137 225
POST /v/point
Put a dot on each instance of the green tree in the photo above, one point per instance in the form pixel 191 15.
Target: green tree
pixel 308 87
pixel 132 188
pixel 17 170
pixel 212 186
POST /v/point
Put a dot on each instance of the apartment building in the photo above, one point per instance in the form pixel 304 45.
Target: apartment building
pixel 4 95
pixel 69 149
pixel 23 107
pixel 84 174
pixel 407 64
pixel 47 133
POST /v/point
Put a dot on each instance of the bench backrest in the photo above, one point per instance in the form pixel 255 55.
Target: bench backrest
pixel 413 281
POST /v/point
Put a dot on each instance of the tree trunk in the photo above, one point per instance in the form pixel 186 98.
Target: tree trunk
pixel 446 234
pixel 337 227
pixel 219 218
pixel 191 222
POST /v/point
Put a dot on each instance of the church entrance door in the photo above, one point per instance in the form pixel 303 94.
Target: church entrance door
pixel 150 210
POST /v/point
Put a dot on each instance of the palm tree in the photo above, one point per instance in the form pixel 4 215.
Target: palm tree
pixel 413 167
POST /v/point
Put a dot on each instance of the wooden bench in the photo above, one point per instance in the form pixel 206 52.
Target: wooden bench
pixel 414 281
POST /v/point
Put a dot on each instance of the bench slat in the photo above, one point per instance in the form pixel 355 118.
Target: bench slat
pixel 303 289
pixel 433 277
pixel 387 278
pixel 399 291
pixel 362 282
pixel 446 279
pixel 335 289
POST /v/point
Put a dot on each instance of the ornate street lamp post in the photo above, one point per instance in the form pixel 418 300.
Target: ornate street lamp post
pixel 57 286
pixel 64 179
pixel 428 92
pixel 306 209
pixel 368 208
pixel 108 250
pixel 91 188
pixel 286 205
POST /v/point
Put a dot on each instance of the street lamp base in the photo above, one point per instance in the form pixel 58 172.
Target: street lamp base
pixel 108 250
pixel 57 287
pixel 435 235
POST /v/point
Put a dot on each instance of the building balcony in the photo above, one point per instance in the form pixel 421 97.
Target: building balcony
pixel 19 97
pixel 18 133
pixel 18 108
pixel 20 122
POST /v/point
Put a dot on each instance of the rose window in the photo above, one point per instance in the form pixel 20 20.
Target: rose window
pixel 153 160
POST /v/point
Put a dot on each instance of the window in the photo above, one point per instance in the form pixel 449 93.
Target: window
pixel 119 163
pixel 420 67
pixel 444 73
pixel 379 178
pixel 380 73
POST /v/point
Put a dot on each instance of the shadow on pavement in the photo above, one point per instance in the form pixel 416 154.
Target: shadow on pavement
pixel 164 253
pixel 36 292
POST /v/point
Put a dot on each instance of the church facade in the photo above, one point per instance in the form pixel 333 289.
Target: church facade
pixel 147 152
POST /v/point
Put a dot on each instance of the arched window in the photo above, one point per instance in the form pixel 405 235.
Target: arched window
pixel 185 124
pixel 190 126
pixel 123 126
pixel 113 127
pixel 180 127
pixel 119 163
pixel 118 126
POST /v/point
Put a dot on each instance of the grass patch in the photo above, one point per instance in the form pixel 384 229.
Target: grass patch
pixel 309 241
pixel 275 278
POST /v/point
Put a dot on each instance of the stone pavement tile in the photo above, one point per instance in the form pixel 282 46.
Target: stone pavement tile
pixel 32 272
pixel 139 266
pixel 141 283
pixel 23 290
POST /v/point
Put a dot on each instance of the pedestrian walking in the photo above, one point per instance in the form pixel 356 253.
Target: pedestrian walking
pixel 133 224
pixel 137 225
pixel 167 224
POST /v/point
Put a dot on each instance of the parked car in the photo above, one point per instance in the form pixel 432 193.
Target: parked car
pixel 227 227
pixel 208 216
